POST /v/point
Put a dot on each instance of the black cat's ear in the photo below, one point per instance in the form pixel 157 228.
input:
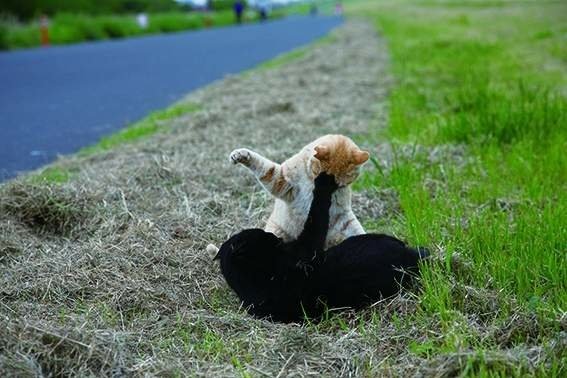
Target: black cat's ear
pixel 315 167
pixel 322 152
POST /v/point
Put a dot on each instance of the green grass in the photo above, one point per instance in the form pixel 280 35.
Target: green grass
pixel 53 175
pixel 141 129
pixel 489 77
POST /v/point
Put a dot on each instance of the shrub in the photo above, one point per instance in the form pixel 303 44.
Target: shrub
pixel 68 28
pixel 220 5
pixel 118 27
pixel 113 28
pixel 3 37
pixel 172 22
pixel 23 36
pixel 222 18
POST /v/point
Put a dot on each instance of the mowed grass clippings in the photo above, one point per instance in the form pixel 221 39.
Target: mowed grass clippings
pixel 102 255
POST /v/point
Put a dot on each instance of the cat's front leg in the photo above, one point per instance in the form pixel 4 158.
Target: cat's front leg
pixel 252 160
pixel 268 173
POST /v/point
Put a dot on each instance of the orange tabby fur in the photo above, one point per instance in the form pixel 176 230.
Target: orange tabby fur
pixel 291 183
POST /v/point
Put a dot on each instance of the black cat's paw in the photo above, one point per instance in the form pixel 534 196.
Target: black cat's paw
pixel 325 182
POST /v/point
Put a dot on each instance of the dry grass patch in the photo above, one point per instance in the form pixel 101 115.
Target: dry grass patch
pixel 104 271
pixel 46 208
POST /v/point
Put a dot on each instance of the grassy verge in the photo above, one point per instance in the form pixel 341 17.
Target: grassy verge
pixel 481 85
pixel 286 58
pixel 66 28
pixel 141 129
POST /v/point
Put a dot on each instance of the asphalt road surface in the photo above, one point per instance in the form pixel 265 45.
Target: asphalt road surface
pixel 56 100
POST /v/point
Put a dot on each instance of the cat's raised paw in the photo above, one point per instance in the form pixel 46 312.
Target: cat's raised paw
pixel 241 155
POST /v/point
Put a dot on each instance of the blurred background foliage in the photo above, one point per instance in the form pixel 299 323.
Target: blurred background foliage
pixel 72 21
pixel 28 9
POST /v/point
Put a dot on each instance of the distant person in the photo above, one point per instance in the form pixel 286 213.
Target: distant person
pixel 44 29
pixel 338 8
pixel 238 10
pixel 313 10
pixel 142 20
pixel 263 11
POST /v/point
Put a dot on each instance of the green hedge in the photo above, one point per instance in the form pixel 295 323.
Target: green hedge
pixel 3 37
pixel 28 9
pixel 172 22
pixel 219 5
pixel 22 36
pixel 68 28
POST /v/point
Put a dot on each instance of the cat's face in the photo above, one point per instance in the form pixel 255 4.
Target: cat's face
pixel 341 157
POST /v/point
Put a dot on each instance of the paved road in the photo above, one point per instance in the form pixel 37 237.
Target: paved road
pixel 54 101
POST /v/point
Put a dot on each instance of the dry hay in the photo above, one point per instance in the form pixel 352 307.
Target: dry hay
pixel 107 274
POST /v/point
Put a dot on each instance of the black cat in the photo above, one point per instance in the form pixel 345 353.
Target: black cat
pixel 291 281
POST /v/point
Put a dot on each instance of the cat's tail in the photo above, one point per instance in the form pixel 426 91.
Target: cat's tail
pixel 212 250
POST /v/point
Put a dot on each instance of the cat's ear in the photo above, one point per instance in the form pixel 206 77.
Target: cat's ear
pixel 322 152
pixel 361 157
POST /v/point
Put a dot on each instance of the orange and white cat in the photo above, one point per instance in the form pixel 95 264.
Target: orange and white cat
pixel 292 183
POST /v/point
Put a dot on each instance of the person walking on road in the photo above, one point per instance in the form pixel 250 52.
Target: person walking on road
pixel 238 10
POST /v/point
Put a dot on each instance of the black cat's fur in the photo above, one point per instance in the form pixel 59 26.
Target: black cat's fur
pixel 289 281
